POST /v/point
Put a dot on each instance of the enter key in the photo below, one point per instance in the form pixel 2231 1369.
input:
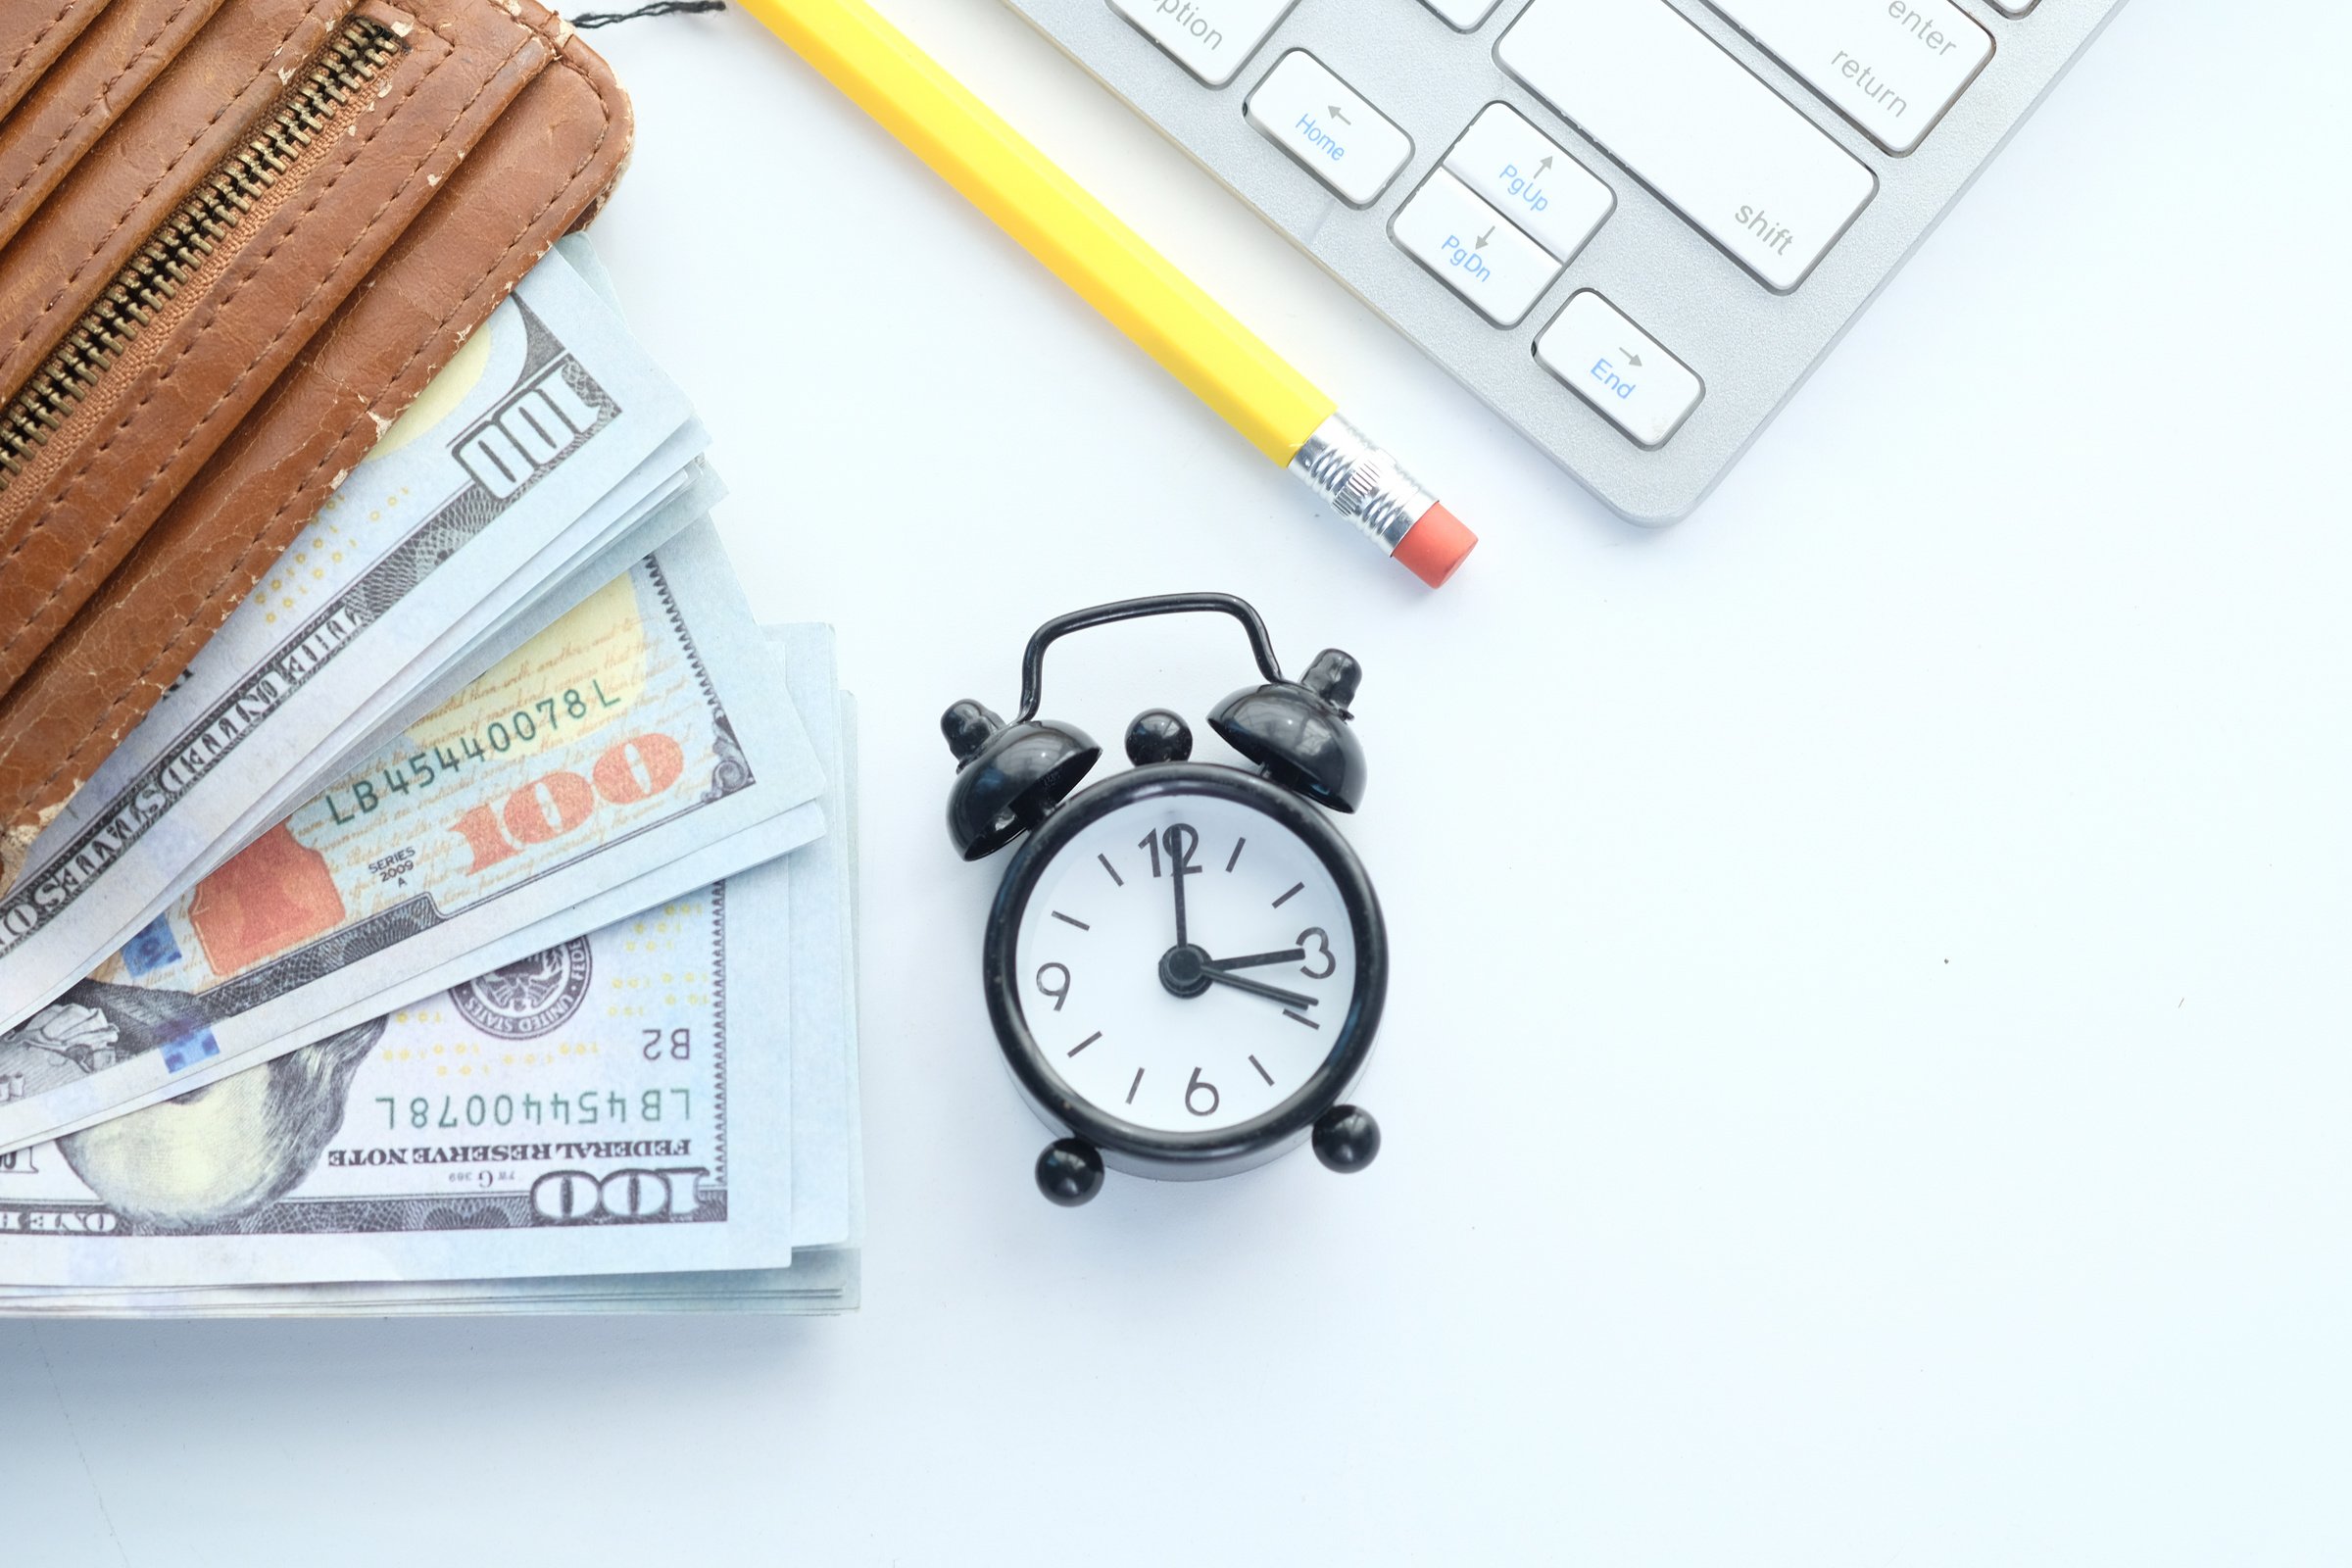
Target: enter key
pixel 1891 66
pixel 1619 369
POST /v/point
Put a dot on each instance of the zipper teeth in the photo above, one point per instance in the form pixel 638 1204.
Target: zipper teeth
pixel 177 249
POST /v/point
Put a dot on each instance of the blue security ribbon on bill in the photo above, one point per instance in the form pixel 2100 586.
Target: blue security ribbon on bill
pixel 153 947
pixel 189 1050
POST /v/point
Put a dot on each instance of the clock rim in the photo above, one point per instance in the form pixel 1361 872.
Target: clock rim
pixel 1180 1154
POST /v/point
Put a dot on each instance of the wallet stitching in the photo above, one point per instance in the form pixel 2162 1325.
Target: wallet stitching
pixel 47 28
pixel 252 270
pixel 257 546
pixel 98 245
pixel 65 132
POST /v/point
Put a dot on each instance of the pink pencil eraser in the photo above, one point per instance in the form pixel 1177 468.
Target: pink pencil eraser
pixel 1434 547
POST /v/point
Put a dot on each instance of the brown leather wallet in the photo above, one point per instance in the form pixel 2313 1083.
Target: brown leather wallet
pixel 237 238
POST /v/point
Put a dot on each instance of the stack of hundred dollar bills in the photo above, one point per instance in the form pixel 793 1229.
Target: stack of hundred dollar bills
pixel 472 928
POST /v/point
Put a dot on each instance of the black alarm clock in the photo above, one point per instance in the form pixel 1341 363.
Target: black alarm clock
pixel 1185 963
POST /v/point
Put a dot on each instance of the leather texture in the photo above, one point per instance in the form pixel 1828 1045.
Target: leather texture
pixel 204 448
pixel 105 207
pixel 117 59
pixel 34 34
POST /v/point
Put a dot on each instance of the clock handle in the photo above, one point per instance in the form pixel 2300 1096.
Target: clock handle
pixel 1033 657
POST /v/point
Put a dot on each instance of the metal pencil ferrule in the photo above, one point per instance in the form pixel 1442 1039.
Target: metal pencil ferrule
pixel 1361 482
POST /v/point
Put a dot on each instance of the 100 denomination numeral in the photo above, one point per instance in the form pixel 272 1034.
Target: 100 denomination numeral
pixel 558 802
pixel 511 447
pixel 577 1198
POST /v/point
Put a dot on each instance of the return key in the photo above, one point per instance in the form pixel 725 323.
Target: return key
pixel 1891 66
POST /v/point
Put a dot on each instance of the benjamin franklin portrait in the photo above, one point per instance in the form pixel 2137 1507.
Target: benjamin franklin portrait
pixel 204 1159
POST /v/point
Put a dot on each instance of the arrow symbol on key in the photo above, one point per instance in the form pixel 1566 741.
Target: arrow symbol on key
pixel 1341 118
pixel 1483 238
pixel 1630 357
pixel 1545 166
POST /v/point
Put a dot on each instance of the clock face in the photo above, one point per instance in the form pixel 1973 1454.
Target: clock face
pixel 1186 962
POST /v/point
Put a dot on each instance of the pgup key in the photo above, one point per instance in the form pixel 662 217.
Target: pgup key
pixel 1529 177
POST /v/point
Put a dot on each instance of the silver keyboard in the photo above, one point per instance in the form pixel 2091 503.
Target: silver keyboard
pixel 1632 226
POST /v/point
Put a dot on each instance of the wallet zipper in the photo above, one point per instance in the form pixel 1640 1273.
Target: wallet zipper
pixel 163 281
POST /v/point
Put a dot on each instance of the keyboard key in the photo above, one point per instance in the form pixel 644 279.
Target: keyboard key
pixel 1211 38
pixel 1619 369
pixel 1891 66
pixel 1326 124
pixel 1538 186
pixel 1463 16
pixel 1474 250
pixel 1692 123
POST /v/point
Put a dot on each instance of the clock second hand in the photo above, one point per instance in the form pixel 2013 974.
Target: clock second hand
pixel 1256 989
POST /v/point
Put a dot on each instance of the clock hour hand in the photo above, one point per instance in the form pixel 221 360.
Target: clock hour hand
pixel 1255 959
pixel 1258 989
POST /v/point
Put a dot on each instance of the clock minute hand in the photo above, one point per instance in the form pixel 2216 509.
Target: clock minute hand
pixel 1255 959
pixel 1258 989
pixel 1180 866
pixel 1176 880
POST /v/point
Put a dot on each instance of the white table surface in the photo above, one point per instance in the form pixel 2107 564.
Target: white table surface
pixel 1865 1078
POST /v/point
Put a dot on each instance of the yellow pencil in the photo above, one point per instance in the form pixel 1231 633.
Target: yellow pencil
pixel 1136 288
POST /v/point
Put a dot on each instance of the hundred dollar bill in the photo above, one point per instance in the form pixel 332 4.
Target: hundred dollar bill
pixel 551 422
pixel 825 1281
pixel 818 970
pixel 511 617
pixel 601 761
pixel 584 555
pixel 828 1194
pixel 609 1105
pixel 482 636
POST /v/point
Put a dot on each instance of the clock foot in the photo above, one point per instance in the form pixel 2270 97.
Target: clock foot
pixel 1345 1139
pixel 1069 1172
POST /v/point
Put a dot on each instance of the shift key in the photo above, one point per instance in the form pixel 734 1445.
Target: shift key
pixel 1694 125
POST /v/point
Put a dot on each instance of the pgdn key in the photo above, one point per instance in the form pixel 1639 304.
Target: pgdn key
pixel 1474 250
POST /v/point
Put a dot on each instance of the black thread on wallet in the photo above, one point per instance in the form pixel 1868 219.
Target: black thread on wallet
pixel 660 8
